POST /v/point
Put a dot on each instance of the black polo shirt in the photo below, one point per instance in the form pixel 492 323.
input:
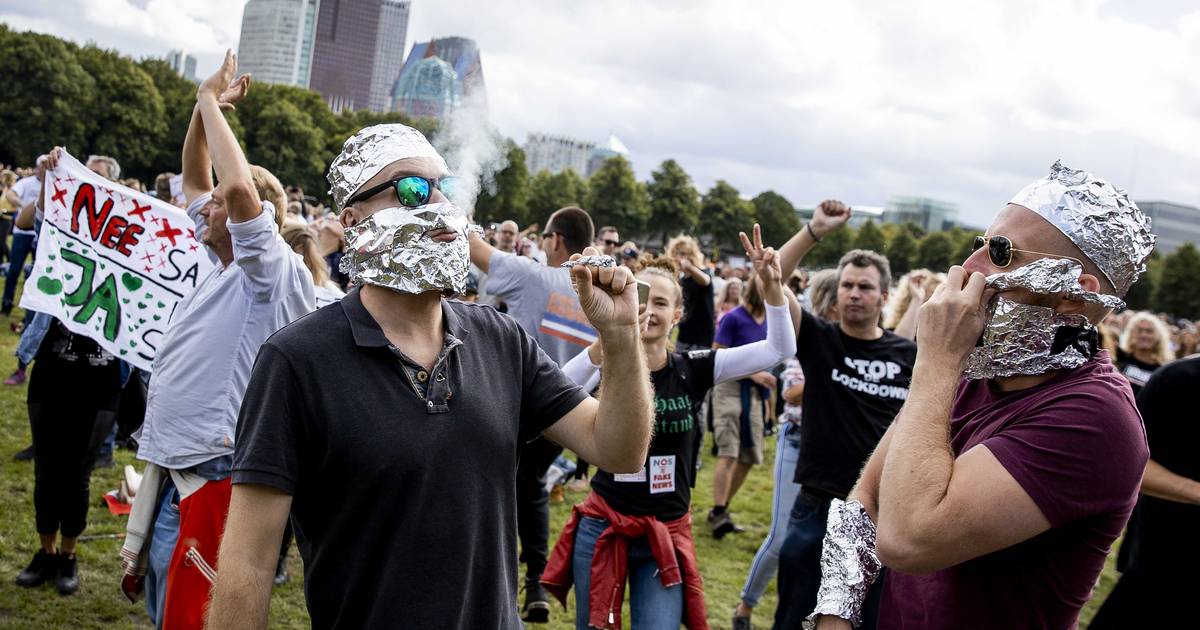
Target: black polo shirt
pixel 403 504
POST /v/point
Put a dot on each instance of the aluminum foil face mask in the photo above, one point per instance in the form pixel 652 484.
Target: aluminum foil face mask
pixel 391 249
pixel 1098 217
pixel 1027 339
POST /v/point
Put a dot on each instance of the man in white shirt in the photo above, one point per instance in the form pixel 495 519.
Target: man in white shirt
pixel 203 365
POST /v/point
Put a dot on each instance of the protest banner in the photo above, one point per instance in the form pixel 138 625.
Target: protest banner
pixel 112 263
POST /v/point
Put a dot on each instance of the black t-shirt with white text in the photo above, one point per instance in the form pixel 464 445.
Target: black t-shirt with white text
pixel 663 488
pixel 1135 371
pixel 853 390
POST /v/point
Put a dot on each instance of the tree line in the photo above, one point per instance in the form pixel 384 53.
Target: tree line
pixel 93 100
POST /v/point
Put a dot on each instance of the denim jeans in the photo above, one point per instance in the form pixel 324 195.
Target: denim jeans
pixel 800 567
pixel 766 561
pixel 162 545
pixel 651 606
pixel 22 245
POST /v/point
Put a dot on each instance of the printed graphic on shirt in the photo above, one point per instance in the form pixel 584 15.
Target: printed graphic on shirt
pixel 636 477
pixel 564 319
pixel 662 474
pixel 665 422
pixel 1136 374
pixel 863 375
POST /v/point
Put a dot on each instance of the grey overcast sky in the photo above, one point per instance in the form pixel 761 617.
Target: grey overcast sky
pixel 960 101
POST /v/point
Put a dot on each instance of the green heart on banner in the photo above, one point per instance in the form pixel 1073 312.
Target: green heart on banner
pixel 131 282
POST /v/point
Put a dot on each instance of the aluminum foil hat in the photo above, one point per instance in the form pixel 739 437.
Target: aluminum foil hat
pixel 1098 217
pixel 366 153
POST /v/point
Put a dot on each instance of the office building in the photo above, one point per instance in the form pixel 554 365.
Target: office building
pixel 183 64
pixel 276 43
pixel 1173 223
pixel 544 152
pixel 358 47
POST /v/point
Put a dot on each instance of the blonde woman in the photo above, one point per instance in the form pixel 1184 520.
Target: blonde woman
pixel 913 289
pixel 1145 346
pixel 698 324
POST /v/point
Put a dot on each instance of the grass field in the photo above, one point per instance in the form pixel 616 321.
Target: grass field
pixel 99 603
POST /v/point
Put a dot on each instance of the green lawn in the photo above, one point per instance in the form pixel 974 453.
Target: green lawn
pixel 99 604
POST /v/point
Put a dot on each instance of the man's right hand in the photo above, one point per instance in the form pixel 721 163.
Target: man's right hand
pixel 830 215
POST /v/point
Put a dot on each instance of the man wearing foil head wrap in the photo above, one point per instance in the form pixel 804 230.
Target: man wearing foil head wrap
pixel 203 363
pixel 424 409
pixel 995 498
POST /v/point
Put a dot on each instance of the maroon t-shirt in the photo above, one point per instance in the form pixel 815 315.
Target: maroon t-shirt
pixel 1077 446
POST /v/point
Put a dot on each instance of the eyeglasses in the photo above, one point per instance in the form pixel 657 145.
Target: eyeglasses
pixel 1000 250
pixel 610 242
pixel 412 190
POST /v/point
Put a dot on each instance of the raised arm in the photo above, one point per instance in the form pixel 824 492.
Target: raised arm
pixel 241 594
pixel 731 363
pixel 233 171
pixel 829 216
pixel 197 166
pixel 614 432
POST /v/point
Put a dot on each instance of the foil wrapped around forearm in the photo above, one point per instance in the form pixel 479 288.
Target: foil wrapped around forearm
pixel 392 248
pixel 599 260
pixel 849 564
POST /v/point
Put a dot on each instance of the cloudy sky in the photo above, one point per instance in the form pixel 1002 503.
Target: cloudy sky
pixel 960 101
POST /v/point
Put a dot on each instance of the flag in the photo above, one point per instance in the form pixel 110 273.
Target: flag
pixel 112 263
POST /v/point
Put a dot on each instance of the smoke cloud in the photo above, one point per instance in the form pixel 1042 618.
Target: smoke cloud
pixel 474 150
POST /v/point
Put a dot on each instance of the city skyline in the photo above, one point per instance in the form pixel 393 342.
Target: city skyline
pixel 934 99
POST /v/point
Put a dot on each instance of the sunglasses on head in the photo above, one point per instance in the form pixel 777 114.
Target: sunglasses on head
pixel 412 190
pixel 1000 250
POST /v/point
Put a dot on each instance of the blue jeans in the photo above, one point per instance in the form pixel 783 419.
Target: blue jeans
pixel 651 606
pixel 800 567
pixel 766 561
pixel 22 245
pixel 162 546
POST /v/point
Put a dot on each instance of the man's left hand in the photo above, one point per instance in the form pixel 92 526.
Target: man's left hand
pixel 608 295
pixel 950 322
pixel 222 81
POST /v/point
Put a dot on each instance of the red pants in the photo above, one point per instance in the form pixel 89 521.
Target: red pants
pixel 201 523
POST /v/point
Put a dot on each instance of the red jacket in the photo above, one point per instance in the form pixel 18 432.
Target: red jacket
pixel 670 542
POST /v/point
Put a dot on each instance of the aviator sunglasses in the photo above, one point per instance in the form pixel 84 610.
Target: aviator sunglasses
pixel 412 190
pixel 1000 250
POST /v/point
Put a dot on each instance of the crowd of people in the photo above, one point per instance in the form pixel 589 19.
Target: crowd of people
pixel 952 448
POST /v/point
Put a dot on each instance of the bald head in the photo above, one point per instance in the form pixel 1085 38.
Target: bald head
pixel 506 236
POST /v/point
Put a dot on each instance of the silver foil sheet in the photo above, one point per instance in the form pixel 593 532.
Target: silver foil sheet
pixel 599 260
pixel 371 149
pixel 849 564
pixel 1098 217
pixel 391 249
pixel 1052 276
pixel 1019 339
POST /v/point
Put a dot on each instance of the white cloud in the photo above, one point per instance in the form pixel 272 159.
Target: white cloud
pixel 858 100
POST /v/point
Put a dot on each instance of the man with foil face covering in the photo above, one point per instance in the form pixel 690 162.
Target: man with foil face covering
pixel 995 496
pixel 388 424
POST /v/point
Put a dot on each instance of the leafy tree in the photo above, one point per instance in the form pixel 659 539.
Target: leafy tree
pixel 901 251
pixel 126 118
pixel 674 201
pixel 550 191
pixel 935 252
pixel 179 98
pixel 963 242
pixel 616 197
pixel 869 237
pixel 506 196
pixel 723 213
pixel 48 99
pixel 777 217
pixel 1176 291
pixel 284 140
